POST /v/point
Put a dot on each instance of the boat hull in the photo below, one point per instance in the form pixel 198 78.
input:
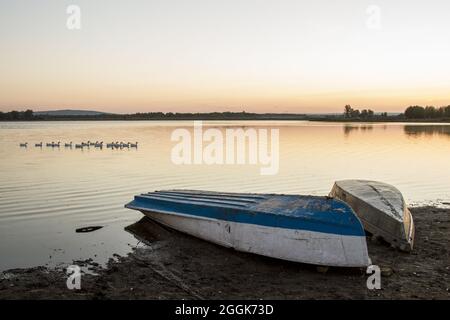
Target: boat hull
pixel 306 229
pixel 292 245
pixel 381 208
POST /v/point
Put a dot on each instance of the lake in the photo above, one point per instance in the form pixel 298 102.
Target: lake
pixel 47 193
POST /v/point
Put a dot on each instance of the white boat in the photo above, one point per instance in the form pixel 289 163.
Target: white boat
pixel 307 229
pixel 381 208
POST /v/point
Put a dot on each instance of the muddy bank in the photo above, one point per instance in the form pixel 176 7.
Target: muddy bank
pixel 176 266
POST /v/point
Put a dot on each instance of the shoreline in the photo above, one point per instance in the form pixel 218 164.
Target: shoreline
pixel 325 119
pixel 173 265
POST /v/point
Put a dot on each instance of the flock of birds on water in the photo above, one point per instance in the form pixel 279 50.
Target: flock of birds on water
pixel 97 144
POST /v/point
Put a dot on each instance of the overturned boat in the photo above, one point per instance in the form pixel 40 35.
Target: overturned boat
pixel 381 208
pixel 307 229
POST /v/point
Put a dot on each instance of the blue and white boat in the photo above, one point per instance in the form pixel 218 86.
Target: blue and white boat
pixel 306 229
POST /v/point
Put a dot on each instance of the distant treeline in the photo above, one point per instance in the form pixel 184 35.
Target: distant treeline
pixel 411 113
pixel 350 114
pixel 29 116
pixel 428 112
pixel 17 115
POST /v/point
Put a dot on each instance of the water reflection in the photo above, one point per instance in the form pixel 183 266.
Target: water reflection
pixel 148 231
pixel 427 130
pixel 350 128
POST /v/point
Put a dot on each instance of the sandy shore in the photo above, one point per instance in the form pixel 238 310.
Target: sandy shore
pixel 176 266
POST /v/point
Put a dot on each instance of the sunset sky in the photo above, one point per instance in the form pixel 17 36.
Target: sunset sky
pixel 208 55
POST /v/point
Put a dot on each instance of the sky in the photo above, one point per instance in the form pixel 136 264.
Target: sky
pixel 208 55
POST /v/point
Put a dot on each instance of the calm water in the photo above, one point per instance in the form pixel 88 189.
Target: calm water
pixel 45 194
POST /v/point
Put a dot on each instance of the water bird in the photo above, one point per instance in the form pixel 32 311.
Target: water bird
pixel 68 145
pixel 23 144
pixel 134 145
pixel 49 144
pixel 38 145
pixel 99 144
pixel 79 146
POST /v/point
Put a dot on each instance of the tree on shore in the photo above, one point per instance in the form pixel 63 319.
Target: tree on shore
pixel 350 113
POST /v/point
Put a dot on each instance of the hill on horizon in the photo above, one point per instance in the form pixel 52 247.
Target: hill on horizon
pixel 69 112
